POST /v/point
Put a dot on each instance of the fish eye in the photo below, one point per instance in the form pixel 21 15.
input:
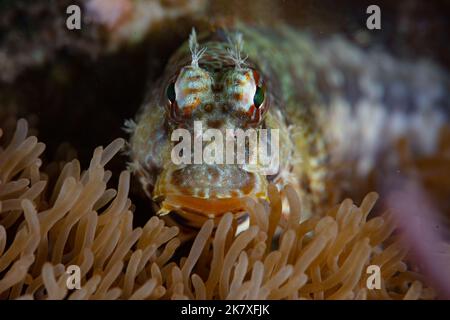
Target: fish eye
pixel 170 92
pixel 258 98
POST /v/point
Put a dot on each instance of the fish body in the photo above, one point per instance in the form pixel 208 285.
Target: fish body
pixel 311 91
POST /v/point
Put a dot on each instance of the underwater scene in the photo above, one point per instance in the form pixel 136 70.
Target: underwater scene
pixel 224 150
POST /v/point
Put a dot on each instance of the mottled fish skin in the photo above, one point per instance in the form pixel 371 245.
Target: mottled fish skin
pixel 347 105
pixel 331 101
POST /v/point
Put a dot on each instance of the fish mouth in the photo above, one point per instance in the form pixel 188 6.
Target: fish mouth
pixel 207 191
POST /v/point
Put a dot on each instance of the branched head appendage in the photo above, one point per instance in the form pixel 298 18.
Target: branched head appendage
pixel 235 52
pixel 196 52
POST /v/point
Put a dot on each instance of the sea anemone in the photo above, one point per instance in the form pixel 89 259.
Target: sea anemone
pixel 56 215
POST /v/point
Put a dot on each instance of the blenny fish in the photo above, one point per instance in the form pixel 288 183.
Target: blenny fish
pixel 329 99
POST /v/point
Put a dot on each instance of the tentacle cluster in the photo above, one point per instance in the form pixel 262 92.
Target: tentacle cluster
pixel 235 52
pixel 196 51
